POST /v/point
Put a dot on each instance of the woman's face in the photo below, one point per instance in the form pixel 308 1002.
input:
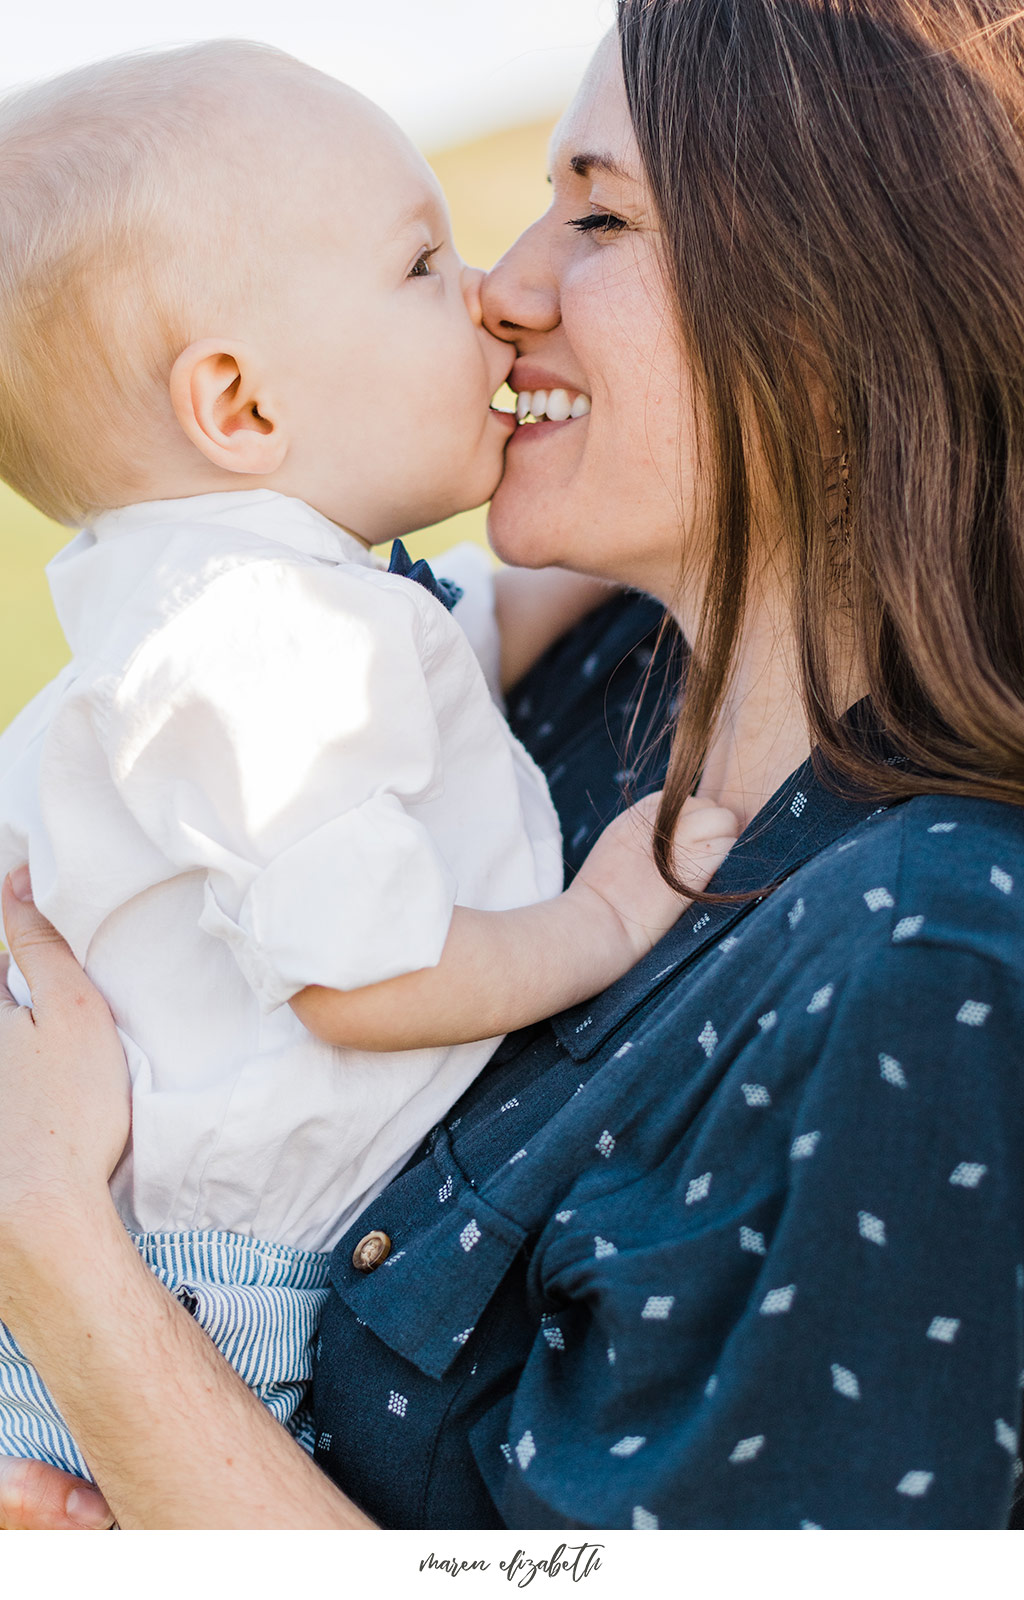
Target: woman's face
pixel 583 296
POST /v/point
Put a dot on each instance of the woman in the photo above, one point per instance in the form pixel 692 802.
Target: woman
pixel 738 1243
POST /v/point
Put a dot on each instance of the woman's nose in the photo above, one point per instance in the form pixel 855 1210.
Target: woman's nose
pixel 521 291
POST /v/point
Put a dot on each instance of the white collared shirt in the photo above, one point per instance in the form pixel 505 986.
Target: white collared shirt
pixel 269 764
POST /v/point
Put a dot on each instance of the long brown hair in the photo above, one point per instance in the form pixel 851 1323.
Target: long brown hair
pixel 840 185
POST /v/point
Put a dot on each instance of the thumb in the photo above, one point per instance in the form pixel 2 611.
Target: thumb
pixel 45 960
pixel 34 1495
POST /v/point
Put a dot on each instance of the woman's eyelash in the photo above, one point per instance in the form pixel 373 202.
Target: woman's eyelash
pixel 421 261
pixel 598 222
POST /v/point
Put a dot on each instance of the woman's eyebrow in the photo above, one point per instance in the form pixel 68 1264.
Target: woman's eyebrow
pixel 589 161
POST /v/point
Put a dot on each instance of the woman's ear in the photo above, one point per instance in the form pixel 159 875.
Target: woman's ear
pixel 224 409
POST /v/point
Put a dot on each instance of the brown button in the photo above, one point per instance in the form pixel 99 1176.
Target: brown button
pixel 371 1250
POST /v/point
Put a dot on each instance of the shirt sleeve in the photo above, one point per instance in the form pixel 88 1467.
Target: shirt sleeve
pixel 819 1328
pixel 272 736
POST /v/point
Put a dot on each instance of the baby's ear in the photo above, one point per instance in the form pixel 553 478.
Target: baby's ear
pixel 224 410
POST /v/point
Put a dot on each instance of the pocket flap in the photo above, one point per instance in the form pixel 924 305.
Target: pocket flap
pixel 426 1298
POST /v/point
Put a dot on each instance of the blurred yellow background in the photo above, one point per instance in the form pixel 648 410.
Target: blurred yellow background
pixel 495 185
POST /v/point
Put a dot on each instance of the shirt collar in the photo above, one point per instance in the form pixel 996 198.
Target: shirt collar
pixel 806 814
pixel 96 575
pixel 262 512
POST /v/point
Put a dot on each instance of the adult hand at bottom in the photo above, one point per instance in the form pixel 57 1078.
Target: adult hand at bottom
pixel 65 1093
pixel 63 1080
pixel 34 1495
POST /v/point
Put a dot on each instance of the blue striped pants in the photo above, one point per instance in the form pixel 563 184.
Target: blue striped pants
pixel 259 1302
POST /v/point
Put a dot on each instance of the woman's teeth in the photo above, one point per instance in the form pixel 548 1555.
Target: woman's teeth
pixel 555 404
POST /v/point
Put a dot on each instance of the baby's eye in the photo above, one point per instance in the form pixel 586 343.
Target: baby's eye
pixel 421 266
pixel 598 222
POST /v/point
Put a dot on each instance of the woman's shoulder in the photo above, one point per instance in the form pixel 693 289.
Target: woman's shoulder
pixel 936 871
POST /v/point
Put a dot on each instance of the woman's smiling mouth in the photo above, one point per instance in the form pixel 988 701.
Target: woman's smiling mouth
pixel 554 405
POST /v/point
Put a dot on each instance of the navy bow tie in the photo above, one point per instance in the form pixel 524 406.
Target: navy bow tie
pixel 442 589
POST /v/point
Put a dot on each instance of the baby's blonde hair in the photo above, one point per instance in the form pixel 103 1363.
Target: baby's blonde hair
pixel 121 186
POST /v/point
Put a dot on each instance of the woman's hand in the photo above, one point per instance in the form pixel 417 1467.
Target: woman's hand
pixel 63 1079
pixel 171 1432
pixel 33 1495
pixel 64 1089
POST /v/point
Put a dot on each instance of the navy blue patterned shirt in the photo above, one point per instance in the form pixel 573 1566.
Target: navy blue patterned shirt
pixel 740 1243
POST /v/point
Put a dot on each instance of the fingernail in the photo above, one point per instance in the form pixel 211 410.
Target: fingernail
pixel 88 1508
pixel 21 883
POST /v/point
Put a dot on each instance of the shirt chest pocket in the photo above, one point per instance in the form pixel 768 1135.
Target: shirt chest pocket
pixel 448 1250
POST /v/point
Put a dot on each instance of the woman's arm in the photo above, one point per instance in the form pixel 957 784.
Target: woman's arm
pixel 172 1435
pixel 533 609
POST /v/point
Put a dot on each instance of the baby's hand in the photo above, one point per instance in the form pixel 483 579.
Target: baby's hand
pixel 620 867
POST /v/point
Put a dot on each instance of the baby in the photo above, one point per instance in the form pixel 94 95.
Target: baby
pixel 271 803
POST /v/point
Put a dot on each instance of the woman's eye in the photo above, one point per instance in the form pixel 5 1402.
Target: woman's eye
pixel 598 222
pixel 421 266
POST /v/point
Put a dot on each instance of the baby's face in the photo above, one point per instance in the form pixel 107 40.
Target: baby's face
pixel 383 371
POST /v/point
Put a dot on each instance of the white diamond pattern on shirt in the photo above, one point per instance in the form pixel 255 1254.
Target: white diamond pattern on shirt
pixel 845 1382
pixel 777 1301
pixel 470 1234
pixel 643 1519
pixel 942 827
pixel 973 1013
pixel 944 1329
pixel 891 1071
pixel 871 1227
pixel 804 1145
pixel 657 1307
pixel 906 928
pixel 397 1403
pixel 1006 1436
pixel 707 1039
pixel 553 1335
pixel 797 803
pixel 1001 880
pixel 445 1191
pixel 753 1241
pixel 747 1449
pixel 603 1248
pixel 820 998
pixel 795 912
pixel 755 1094
pixel 606 1144
pixel 697 1189
pixel 915 1484
pixel 878 899
pixel 968 1174
pixel 629 1445
pixel 525 1450
pixel 768 1021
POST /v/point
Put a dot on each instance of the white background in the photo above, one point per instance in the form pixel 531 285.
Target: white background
pixel 446 70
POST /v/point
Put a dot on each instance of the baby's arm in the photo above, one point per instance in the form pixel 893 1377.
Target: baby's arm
pixel 533 609
pixel 500 970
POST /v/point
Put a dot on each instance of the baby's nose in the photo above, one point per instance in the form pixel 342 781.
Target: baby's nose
pixel 472 279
